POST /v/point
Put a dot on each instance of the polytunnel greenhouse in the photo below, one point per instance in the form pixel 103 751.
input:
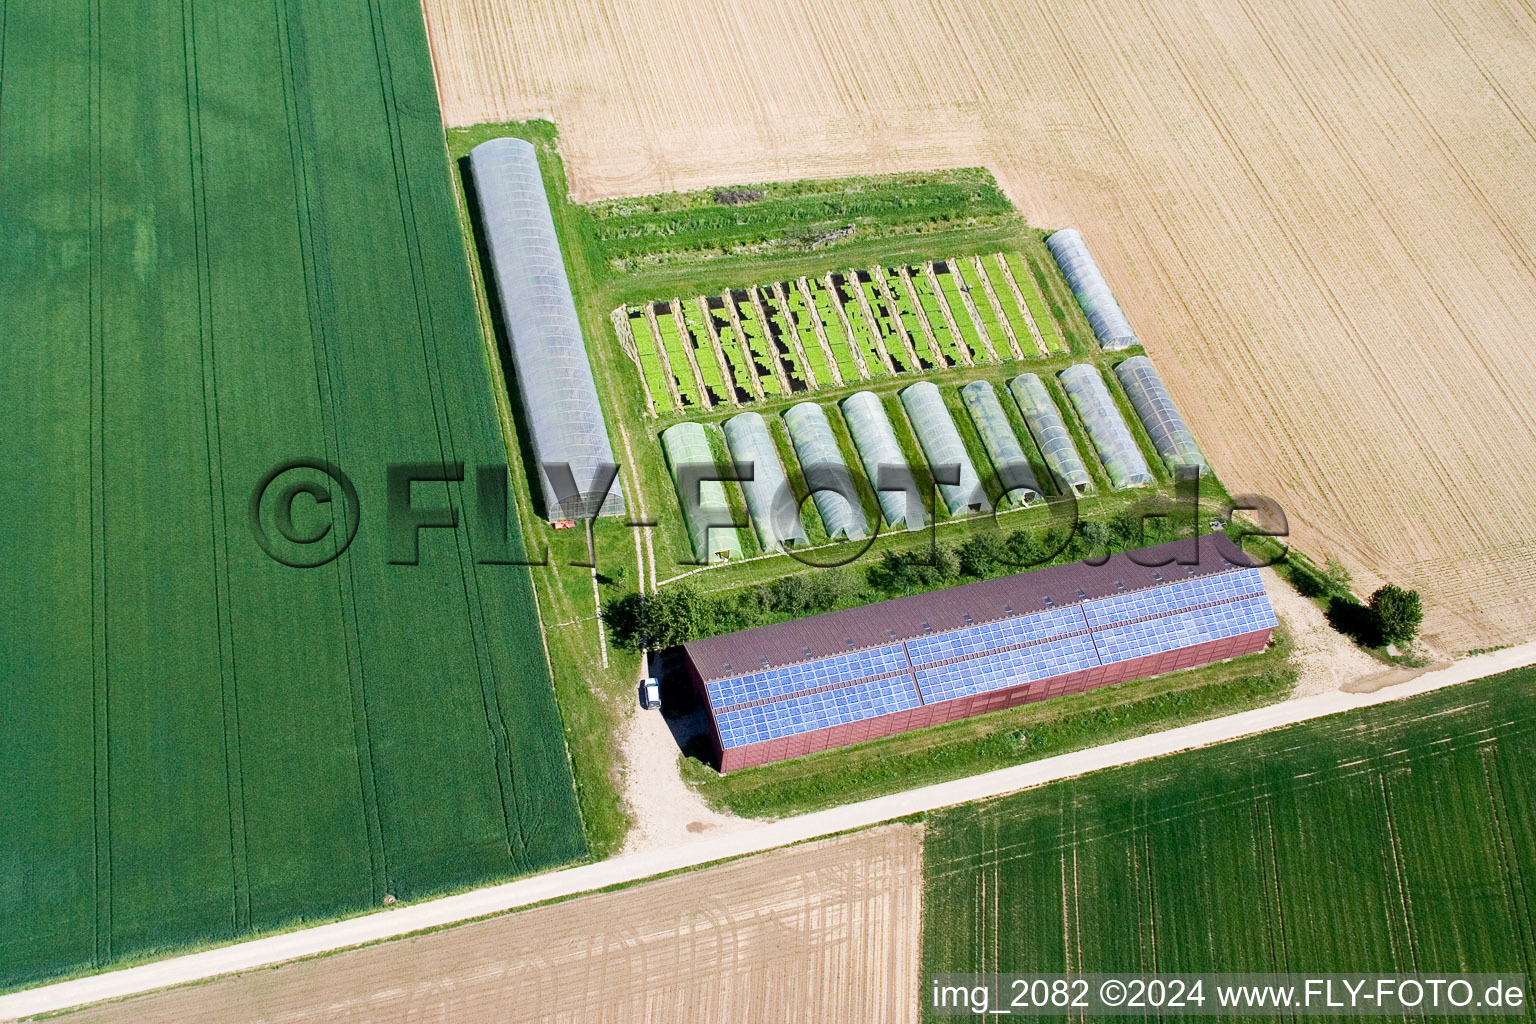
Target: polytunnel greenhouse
pixel 1090 288
pixel 884 464
pixel 564 416
pixel 942 447
pixel 827 475
pixel 1155 407
pixel 1106 427
pixel 1014 473
pixel 707 514
pixel 770 502
pixel 1050 432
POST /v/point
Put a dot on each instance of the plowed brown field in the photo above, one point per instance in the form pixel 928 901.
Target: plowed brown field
pixel 829 931
pixel 1320 215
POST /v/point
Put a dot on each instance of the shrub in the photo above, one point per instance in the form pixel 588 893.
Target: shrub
pixel 1398 613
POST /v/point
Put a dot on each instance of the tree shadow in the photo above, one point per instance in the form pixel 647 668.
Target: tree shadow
pixel 1355 620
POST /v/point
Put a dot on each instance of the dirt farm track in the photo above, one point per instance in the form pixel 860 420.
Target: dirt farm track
pixel 1320 215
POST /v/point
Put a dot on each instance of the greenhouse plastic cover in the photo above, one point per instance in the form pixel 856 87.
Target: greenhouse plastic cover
pixel 1155 407
pixel 564 414
pixel 710 528
pixel 826 473
pixel 1050 432
pixel 1090 288
pixel 942 446
pixel 770 502
pixel 883 461
pixel 1014 473
pixel 1106 427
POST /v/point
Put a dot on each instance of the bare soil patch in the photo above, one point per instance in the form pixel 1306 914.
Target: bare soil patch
pixel 1318 215
pixel 1325 658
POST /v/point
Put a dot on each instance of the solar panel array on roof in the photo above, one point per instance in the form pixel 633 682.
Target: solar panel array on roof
pixel 827 475
pixel 564 416
pixel 1002 654
pixel 1050 432
pixel 1015 476
pixel 706 511
pixel 1111 438
pixel 1090 289
pixel 1154 406
pixel 942 447
pixel 770 503
pixel 884 463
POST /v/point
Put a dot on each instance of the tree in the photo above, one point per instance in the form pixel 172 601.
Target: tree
pixel 1398 613
pixel 665 619
pixel 909 571
pixel 980 556
pixel 1336 574
pixel 1094 539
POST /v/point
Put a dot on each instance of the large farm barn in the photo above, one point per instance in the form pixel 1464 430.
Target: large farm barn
pixel 830 680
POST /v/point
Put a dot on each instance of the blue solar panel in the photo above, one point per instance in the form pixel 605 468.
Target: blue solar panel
pixel 1172 597
pixel 974 640
pixel 865 684
pixel 816 711
pixel 1184 629
pixel 1010 668
pixel 810 675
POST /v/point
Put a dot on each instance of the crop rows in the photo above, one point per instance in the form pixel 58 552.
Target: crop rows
pixel 256 257
pixel 1351 841
pixel 784 338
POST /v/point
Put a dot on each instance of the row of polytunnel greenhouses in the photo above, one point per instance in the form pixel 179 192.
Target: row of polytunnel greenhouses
pixel 775 512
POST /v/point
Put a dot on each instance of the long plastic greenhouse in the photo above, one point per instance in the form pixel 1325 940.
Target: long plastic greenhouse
pixel 770 503
pixel 1106 427
pixel 564 415
pixel 1050 432
pixel 1009 460
pixel 826 473
pixel 884 463
pixel 706 513
pixel 1090 288
pixel 942 447
pixel 1154 406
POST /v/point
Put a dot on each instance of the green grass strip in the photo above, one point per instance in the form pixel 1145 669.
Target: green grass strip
pixel 666 326
pixel 908 314
pixel 950 283
pixel 650 362
pixel 703 351
pixel 814 355
pixel 860 327
pixel 888 333
pixel 941 332
pixel 735 359
pixel 1010 305
pixel 973 284
pixel 1024 276
pixel 760 347
pixel 836 339
pixel 784 348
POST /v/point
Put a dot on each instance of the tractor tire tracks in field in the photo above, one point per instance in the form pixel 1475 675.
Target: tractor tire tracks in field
pixel 219 527
pixel 320 301
pixel 100 692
